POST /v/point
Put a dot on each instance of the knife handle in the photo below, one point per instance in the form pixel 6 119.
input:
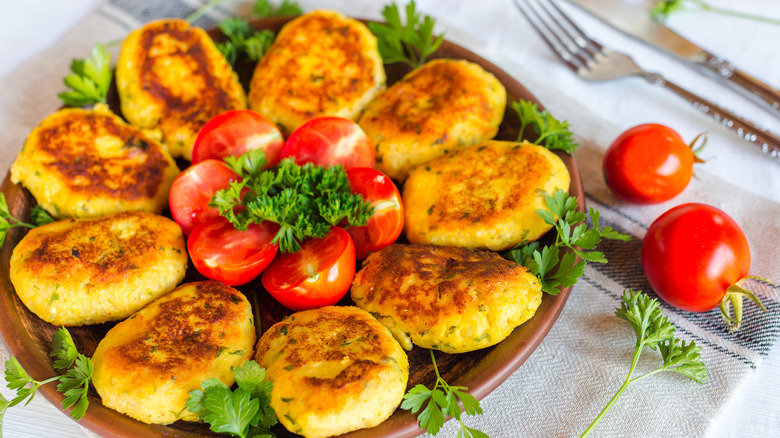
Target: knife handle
pixel 753 88
pixel 768 142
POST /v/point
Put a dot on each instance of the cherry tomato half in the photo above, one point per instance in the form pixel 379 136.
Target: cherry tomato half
pixel 221 252
pixel 330 140
pixel 235 132
pixel 648 164
pixel 320 274
pixel 692 254
pixel 387 222
pixel 192 190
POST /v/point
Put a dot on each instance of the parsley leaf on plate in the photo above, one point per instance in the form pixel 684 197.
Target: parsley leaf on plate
pixel 412 42
pixel 541 128
pixel 89 80
pixel 7 221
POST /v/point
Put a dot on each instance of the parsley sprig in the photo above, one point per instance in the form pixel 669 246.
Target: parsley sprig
pixel 654 331
pixel 89 80
pixel 264 8
pixel 663 9
pixel 73 384
pixel 541 128
pixel 304 200
pixel 440 401
pixel 38 216
pixel 573 239
pixel 411 43
pixel 243 412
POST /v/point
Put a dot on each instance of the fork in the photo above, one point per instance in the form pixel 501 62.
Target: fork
pixel 592 61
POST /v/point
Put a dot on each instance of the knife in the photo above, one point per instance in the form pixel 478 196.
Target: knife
pixel 638 23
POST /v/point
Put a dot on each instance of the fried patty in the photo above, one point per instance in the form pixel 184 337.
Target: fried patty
pixel 172 79
pixel 88 271
pixel 321 64
pixel 442 106
pixel 485 196
pixel 334 370
pixel 146 365
pixel 450 299
pixel 87 163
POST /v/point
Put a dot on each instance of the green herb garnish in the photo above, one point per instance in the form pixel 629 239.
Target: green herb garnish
pixel 243 39
pixel 73 384
pixel 410 43
pixel 7 221
pixel 264 8
pixel 663 9
pixel 653 330
pixel 543 128
pixel 304 200
pixel 89 80
pixel 439 401
pixel 243 412
pixel 572 234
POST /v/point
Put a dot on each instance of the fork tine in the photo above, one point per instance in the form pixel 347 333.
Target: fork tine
pixel 550 37
pixel 582 39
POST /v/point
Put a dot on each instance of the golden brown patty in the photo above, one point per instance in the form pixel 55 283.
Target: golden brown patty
pixel 89 271
pixel 442 106
pixel 147 364
pixel 450 299
pixel 485 196
pixel 334 370
pixel 172 79
pixel 321 64
pixel 84 163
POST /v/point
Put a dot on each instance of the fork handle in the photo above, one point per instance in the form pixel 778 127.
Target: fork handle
pixel 768 142
pixel 755 89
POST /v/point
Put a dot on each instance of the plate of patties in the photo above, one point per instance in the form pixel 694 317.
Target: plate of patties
pixel 449 246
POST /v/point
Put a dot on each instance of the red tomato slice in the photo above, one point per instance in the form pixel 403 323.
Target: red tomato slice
pixel 192 190
pixel 330 140
pixel 221 252
pixel 320 274
pixel 235 132
pixel 387 222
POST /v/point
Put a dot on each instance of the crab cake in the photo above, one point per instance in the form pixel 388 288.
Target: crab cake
pixel 334 370
pixel 321 64
pixel 172 79
pixel 450 299
pixel 146 365
pixel 485 196
pixel 88 271
pixel 442 106
pixel 87 163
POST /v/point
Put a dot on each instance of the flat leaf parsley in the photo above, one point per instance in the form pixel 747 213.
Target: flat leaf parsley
pixel 38 216
pixel 541 128
pixel 440 401
pixel 304 200
pixel 89 80
pixel 654 331
pixel 572 233
pixel 73 384
pixel 243 412
pixel 411 43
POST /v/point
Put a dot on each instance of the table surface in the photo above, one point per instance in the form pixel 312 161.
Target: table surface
pixel 27 27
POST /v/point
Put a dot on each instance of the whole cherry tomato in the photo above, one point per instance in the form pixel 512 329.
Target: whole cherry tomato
pixel 694 255
pixel 191 192
pixel 235 132
pixel 221 252
pixel 386 223
pixel 330 140
pixel 648 164
pixel 320 274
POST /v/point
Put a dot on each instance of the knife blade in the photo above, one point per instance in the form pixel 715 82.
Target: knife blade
pixel 638 23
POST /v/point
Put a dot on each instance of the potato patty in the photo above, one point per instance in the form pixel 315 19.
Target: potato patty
pixel 321 64
pixel 442 106
pixel 88 271
pixel 172 79
pixel 146 366
pixel 334 370
pixel 485 196
pixel 450 299
pixel 85 163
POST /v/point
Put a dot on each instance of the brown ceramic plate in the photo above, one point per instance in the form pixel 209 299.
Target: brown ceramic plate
pixel 29 338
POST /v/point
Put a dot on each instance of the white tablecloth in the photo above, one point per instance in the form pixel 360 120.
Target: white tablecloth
pixel 499 33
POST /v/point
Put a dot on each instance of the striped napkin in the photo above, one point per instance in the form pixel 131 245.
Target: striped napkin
pixel 585 357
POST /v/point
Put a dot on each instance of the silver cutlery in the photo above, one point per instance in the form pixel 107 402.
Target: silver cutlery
pixel 592 61
pixel 637 22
